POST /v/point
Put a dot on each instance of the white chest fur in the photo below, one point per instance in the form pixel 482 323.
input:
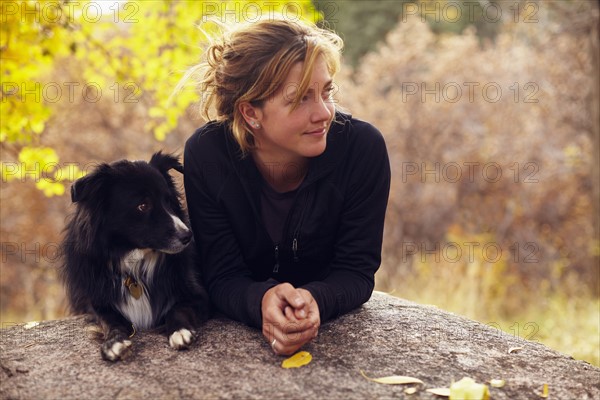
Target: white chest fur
pixel 140 264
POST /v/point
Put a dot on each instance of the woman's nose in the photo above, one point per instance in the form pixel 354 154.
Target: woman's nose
pixel 322 110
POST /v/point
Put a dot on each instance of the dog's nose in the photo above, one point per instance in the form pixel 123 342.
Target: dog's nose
pixel 186 237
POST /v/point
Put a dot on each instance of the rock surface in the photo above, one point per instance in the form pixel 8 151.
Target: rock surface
pixel 387 336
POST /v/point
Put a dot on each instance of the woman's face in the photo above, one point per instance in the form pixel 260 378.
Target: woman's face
pixel 292 135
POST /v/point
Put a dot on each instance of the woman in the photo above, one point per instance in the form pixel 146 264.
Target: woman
pixel 286 195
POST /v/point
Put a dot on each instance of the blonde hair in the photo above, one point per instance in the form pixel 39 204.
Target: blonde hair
pixel 251 62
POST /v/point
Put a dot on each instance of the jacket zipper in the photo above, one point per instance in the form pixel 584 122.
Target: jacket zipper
pixel 276 268
pixel 297 230
pixel 295 249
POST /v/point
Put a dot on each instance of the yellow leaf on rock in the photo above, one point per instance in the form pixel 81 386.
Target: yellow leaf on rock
pixel 545 391
pixel 468 389
pixel 411 390
pixel 497 383
pixel 445 392
pixel 31 324
pixel 514 349
pixel 393 380
pixel 297 360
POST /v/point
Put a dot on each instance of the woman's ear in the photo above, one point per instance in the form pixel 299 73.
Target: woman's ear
pixel 252 114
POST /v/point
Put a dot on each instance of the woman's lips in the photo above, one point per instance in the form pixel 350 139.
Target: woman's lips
pixel 317 132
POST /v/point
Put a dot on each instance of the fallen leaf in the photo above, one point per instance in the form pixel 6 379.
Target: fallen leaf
pixel 514 349
pixel 497 383
pixel 545 391
pixel 468 389
pixel 440 391
pixel 297 360
pixel 31 324
pixel 393 380
pixel 411 390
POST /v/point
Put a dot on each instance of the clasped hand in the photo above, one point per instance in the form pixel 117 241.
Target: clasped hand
pixel 290 318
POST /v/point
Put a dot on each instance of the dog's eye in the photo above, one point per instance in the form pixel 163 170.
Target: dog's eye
pixel 144 207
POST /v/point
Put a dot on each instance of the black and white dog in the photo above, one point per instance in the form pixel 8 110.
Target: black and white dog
pixel 126 256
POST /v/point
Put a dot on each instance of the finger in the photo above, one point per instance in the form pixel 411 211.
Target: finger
pixel 293 325
pixel 288 294
pixel 290 332
pixel 273 310
pixel 275 338
pixel 284 349
pixel 280 317
pixel 292 336
pixel 297 326
pixel 282 345
pixel 288 351
pixel 274 345
pixel 289 313
pixel 273 321
pixel 300 313
pixel 292 343
pixel 295 334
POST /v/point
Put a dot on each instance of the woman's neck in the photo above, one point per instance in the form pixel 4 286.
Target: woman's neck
pixel 283 174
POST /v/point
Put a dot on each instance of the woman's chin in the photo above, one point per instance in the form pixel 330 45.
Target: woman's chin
pixel 315 149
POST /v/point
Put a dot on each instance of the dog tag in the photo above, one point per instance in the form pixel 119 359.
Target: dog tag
pixel 135 289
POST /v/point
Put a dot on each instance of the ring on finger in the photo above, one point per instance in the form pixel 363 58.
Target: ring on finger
pixel 273 345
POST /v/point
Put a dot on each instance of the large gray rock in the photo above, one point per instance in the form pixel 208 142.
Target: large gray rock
pixel 387 336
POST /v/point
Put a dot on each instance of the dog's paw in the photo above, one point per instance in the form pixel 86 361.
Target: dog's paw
pixel 181 339
pixel 114 350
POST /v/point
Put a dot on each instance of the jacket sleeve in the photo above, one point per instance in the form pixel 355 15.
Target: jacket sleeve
pixel 357 254
pixel 228 280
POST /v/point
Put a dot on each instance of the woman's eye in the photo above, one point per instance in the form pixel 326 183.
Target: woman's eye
pixel 143 207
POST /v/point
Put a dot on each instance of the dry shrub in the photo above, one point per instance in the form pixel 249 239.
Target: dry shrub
pixel 492 193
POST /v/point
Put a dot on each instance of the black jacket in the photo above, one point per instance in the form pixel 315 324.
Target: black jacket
pixel 332 238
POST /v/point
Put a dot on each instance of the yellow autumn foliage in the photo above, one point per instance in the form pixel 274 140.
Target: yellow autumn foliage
pixel 131 52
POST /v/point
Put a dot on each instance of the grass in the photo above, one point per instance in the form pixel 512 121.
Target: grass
pixel 564 322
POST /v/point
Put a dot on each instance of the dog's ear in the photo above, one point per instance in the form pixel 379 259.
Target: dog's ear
pixel 165 162
pixel 86 187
